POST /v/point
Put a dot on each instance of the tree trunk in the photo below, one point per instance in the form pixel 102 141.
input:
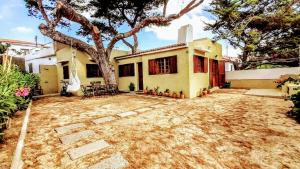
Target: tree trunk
pixel 107 69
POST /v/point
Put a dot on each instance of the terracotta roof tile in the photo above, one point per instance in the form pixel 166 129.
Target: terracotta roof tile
pixel 153 50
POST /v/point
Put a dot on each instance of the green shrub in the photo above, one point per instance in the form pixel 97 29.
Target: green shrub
pixel 11 81
pixel 295 112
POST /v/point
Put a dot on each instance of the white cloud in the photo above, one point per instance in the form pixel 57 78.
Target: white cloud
pixel 22 29
pixel 195 18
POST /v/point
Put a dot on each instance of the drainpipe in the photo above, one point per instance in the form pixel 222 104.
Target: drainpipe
pixel 299 55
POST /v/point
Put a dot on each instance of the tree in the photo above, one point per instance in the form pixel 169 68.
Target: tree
pixel 3 48
pixel 107 17
pixel 259 27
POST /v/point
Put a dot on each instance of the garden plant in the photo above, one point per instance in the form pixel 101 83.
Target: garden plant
pixel 15 92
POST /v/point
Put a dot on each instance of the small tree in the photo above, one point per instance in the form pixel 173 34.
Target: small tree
pixel 107 17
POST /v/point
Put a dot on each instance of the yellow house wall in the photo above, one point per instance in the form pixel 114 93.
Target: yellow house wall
pixel 125 81
pixel 199 81
pixel 81 60
pixel 174 82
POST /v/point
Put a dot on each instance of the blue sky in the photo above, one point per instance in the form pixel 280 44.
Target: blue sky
pixel 16 24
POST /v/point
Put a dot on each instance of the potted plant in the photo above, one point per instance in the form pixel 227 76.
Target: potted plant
pixel 131 86
pixel 174 95
pixel 201 92
pixel 151 91
pixel 181 94
pixel 204 92
pixel 167 93
pixel 209 90
pixel 160 94
pixel 146 90
pixel 156 90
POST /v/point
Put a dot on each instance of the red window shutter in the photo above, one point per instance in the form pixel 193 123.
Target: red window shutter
pixel 195 64
pixel 173 64
pixel 151 66
pixel 205 65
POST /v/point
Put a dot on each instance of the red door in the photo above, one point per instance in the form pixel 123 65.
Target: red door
pixel 140 75
pixel 213 73
pixel 221 72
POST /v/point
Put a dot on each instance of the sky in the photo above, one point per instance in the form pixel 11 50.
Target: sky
pixel 16 24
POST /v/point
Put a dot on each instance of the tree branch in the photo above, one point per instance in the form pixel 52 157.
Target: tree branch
pixel 68 12
pixel 165 7
pixel 43 12
pixel 62 38
pixel 156 20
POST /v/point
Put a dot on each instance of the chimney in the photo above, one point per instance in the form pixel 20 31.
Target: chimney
pixel 185 34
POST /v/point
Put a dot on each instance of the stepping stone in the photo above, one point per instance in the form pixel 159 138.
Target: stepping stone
pixel 87 149
pixel 114 162
pixel 143 109
pixel 158 106
pixel 71 138
pixel 129 113
pixel 168 103
pixel 66 129
pixel 103 120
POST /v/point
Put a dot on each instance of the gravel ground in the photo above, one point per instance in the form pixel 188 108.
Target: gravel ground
pixel 8 146
pixel 223 130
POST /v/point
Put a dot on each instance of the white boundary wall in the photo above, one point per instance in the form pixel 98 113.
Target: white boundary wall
pixel 260 73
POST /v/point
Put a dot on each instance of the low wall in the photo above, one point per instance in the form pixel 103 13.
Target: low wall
pixel 259 78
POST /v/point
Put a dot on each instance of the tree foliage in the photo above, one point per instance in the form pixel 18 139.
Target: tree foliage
pixel 3 48
pixel 259 27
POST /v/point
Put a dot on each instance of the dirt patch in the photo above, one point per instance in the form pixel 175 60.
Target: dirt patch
pixel 8 146
pixel 219 131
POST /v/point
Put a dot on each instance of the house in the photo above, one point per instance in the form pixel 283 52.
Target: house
pixel 88 71
pixel 187 66
pixel 43 62
pixel 19 48
pixel 44 56
pixel 229 63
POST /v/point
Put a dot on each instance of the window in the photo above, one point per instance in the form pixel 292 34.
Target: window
pixel 92 70
pixel 200 64
pixel 165 65
pixel 30 68
pixel 66 72
pixel 126 70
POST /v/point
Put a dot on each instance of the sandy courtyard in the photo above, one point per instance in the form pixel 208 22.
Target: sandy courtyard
pixel 223 130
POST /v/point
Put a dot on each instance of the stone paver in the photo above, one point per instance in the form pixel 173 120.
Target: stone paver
pixel 158 106
pixel 129 113
pixel 143 109
pixel 103 120
pixel 87 149
pixel 68 128
pixel 114 162
pixel 71 138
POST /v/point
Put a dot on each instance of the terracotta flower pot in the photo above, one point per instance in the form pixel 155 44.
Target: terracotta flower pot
pixel 182 96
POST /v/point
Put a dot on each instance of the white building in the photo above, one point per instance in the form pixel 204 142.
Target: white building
pixel 19 48
pixel 229 63
pixel 45 56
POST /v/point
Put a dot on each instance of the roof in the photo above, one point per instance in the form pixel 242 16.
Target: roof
pixel 18 42
pixel 155 50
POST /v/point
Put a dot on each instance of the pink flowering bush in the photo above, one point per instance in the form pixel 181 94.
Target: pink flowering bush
pixel 23 92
